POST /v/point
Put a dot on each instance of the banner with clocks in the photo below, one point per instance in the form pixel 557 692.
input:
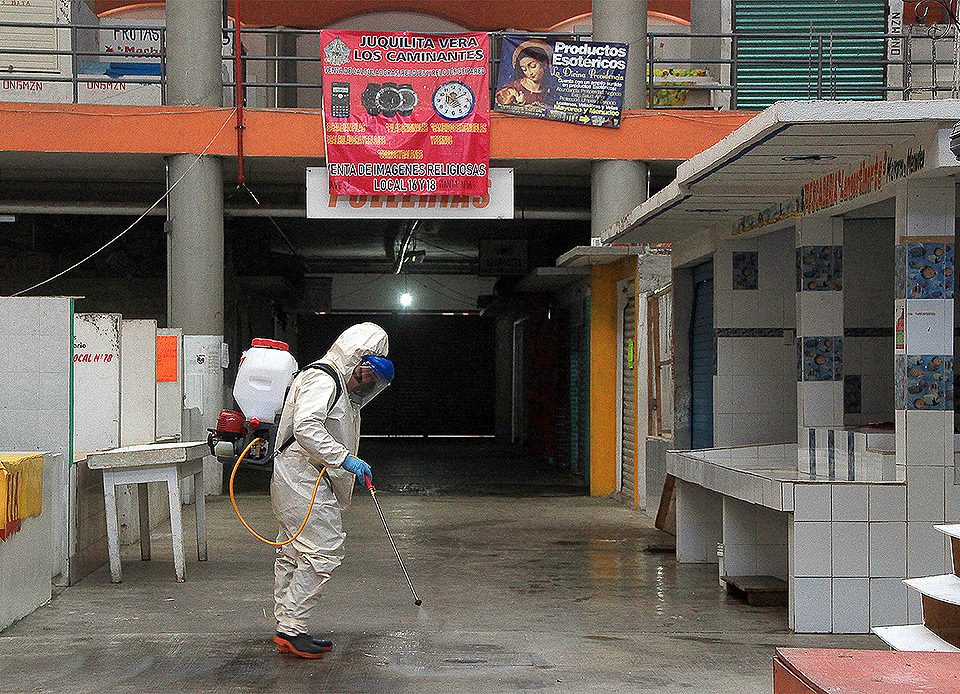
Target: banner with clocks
pixel 406 113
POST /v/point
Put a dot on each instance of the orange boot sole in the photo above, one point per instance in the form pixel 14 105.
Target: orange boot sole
pixel 284 646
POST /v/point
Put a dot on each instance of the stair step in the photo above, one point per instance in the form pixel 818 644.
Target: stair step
pixel 914 637
pixel 945 588
pixel 953 530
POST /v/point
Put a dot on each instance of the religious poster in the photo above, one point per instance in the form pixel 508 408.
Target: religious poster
pixel 556 79
pixel 406 113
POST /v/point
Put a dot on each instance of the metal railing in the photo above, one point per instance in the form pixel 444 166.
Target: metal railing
pixel 682 70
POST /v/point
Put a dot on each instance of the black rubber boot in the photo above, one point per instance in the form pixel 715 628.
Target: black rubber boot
pixel 325 644
pixel 302 645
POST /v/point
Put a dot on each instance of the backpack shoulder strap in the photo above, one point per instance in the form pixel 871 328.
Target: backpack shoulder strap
pixel 332 373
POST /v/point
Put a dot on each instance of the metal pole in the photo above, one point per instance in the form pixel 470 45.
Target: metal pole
pixel 735 47
pixel 74 64
pixel 650 76
pixel 373 493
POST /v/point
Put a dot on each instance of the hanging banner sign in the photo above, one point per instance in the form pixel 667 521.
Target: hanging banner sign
pixel 569 81
pixel 496 203
pixel 406 113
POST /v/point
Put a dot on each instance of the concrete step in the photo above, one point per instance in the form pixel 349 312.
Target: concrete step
pixel 914 637
pixel 945 588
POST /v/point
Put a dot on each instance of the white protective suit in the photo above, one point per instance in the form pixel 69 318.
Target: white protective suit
pixel 326 429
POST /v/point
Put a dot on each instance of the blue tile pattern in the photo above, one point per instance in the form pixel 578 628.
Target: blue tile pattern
pixel 926 382
pixel 819 268
pixel 822 359
pixel 745 269
pixel 929 270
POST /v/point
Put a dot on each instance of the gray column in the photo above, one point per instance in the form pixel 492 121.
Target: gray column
pixel 195 292
pixel 196 246
pixel 619 186
pixel 282 71
pixel 194 52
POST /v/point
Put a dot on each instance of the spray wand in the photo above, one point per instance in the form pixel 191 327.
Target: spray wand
pixel 373 492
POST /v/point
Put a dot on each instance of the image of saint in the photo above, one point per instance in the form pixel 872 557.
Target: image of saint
pixel 531 86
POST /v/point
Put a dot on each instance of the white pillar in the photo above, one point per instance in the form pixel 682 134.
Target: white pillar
pixel 923 363
pixel 819 242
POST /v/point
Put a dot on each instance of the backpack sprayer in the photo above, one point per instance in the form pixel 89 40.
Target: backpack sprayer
pixel 249 437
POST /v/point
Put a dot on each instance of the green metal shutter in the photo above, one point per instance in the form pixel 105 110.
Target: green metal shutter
pixel 802 49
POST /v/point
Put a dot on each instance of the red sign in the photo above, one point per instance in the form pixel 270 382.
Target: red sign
pixel 406 113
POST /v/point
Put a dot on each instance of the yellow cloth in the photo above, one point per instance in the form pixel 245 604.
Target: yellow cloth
pixel 21 489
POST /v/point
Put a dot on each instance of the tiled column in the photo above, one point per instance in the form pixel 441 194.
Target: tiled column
pixel 819 332
pixel 923 346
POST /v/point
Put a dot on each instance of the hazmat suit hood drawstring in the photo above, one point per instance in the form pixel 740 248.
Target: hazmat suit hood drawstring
pixel 355 343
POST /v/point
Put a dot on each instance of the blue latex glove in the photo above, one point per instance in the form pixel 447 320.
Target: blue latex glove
pixel 359 468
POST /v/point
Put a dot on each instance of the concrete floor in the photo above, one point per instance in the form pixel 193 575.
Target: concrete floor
pixel 520 593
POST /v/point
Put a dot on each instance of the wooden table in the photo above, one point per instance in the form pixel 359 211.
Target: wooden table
pixel 161 462
pixel 822 670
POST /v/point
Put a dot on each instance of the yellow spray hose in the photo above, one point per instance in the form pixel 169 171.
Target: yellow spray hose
pixel 254 532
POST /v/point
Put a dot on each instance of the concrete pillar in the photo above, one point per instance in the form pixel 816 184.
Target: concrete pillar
pixel 923 365
pixel 195 294
pixel 282 71
pixel 195 206
pixel 819 242
pixel 619 186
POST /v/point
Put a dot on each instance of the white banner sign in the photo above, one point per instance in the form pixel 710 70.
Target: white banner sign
pixel 496 204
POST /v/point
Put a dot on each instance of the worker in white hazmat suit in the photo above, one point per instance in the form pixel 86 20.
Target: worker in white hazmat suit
pixel 320 423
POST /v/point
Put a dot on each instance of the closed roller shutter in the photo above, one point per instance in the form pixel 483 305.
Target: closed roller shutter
pixel 771 31
pixel 628 410
pixel 702 351
pixel 25 38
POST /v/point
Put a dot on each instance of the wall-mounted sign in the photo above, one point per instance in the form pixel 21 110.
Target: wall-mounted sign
pixel 406 113
pixel 503 257
pixel 556 79
pixel 496 203
pixel 842 185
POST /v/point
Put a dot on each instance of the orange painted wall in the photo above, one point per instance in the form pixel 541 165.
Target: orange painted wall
pixel 532 15
pixel 646 135
pixel 603 373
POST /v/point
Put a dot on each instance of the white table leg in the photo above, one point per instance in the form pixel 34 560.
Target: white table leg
pixel 201 513
pixel 113 530
pixel 143 492
pixel 176 525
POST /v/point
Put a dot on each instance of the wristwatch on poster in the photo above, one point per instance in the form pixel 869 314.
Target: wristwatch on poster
pixel 389 99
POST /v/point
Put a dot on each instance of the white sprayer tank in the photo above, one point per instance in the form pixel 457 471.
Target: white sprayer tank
pixel 265 373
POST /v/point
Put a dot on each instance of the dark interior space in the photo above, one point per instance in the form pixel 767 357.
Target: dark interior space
pixel 445 372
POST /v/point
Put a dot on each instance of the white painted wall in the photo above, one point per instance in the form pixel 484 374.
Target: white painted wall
pixel 96 382
pixel 138 379
pixel 203 389
pixel 170 393
pixel 754 393
pixel 35 363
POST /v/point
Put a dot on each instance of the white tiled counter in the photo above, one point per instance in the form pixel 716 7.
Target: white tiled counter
pixel 838 540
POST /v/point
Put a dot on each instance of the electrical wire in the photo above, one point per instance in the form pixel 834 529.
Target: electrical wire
pixel 438 283
pixel 138 219
pixel 446 250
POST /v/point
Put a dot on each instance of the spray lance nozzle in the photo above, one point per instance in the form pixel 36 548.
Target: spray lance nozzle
pixel 368 483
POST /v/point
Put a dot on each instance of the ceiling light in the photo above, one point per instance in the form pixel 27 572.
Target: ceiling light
pixel 406 300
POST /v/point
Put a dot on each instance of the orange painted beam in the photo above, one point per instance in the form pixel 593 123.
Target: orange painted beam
pixel 532 15
pixel 645 135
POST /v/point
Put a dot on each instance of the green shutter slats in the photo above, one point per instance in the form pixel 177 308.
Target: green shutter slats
pixel 785 50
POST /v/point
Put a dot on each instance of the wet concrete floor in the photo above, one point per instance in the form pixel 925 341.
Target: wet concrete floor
pixel 545 593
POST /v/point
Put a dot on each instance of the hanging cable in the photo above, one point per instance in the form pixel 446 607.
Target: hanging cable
pixel 238 92
pixel 138 219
